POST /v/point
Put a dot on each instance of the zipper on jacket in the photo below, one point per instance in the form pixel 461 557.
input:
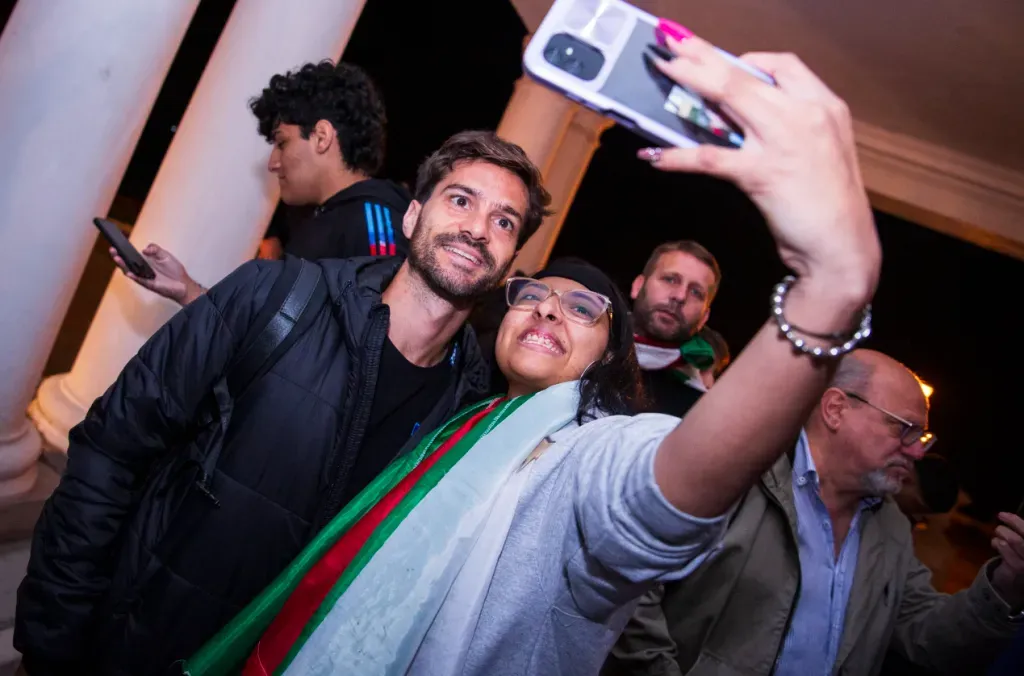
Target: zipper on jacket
pixel 351 438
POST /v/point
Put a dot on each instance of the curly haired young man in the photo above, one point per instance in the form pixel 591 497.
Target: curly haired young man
pixel 327 126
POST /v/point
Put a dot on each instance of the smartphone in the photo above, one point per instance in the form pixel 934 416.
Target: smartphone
pixel 600 53
pixel 128 253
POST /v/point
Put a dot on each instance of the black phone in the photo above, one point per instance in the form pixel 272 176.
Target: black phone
pixel 1020 509
pixel 128 253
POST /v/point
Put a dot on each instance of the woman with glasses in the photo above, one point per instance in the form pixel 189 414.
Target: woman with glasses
pixel 517 538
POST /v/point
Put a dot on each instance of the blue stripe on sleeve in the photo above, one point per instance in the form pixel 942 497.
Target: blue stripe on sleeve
pixel 381 240
pixel 372 236
pixel 391 232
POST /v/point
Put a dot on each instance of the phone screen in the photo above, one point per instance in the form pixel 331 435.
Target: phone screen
pixel 634 81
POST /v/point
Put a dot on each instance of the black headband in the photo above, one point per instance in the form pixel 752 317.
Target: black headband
pixel 594 279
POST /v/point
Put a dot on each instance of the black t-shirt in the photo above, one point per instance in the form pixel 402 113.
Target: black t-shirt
pixel 669 393
pixel 405 396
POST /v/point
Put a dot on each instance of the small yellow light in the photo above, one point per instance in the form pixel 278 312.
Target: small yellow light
pixel 927 389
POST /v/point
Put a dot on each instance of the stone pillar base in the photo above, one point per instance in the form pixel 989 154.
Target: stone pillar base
pixel 55 410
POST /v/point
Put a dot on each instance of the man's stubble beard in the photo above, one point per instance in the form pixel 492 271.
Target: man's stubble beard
pixel 644 323
pixel 423 260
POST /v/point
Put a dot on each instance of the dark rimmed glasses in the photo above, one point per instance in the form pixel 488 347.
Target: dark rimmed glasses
pixel 912 432
pixel 579 305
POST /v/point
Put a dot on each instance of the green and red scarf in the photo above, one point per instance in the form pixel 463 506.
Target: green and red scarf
pixel 655 355
pixel 275 627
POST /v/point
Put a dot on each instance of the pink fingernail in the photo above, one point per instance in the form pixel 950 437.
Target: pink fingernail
pixel 652 155
pixel 673 30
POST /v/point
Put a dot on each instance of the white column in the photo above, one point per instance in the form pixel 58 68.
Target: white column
pixel 77 81
pixel 560 137
pixel 212 198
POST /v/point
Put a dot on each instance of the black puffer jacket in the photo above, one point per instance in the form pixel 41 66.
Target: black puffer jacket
pixel 130 569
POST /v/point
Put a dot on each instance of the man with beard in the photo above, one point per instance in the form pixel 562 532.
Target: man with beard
pixel 131 568
pixel 671 303
pixel 817 573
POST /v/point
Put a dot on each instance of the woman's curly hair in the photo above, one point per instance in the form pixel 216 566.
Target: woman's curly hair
pixel 342 94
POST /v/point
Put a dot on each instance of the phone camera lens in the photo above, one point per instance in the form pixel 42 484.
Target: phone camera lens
pixel 572 55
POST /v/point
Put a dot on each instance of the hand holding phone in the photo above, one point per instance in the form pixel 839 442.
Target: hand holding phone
pixel 167 276
pixel 798 164
pixel 133 260
pixel 604 56
pixel 795 158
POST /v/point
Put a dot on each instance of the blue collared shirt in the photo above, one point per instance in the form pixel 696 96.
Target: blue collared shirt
pixel 816 627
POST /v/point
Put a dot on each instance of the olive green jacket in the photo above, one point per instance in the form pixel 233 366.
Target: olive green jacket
pixel 729 618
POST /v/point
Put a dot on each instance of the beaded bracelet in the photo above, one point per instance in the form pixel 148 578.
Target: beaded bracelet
pixel 790 331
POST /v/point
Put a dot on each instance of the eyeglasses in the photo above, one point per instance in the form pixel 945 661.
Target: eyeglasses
pixel 912 433
pixel 580 306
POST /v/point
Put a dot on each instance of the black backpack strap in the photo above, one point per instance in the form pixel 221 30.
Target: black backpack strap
pixel 294 301
pixel 303 290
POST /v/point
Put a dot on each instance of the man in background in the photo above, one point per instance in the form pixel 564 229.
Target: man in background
pixel 817 572
pixel 327 124
pixel 671 304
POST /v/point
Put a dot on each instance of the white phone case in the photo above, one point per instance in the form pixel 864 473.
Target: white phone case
pixel 627 88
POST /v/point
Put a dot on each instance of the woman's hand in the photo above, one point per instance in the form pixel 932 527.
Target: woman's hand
pixel 798 164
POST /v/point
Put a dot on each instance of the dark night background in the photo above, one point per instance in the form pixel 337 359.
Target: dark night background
pixel 946 308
